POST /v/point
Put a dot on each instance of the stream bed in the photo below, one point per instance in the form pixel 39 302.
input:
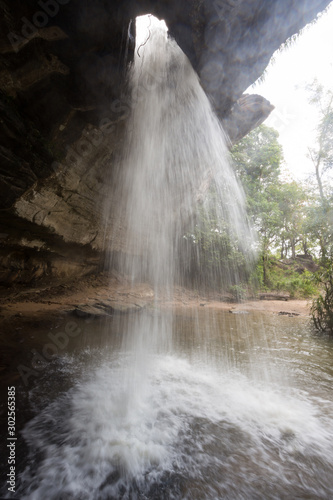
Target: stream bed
pixel 241 407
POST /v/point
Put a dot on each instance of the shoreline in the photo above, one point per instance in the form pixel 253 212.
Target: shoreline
pixel 104 296
pixel 27 318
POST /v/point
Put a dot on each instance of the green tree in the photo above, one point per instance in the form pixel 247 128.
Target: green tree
pixel 213 258
pixel 257 160
pixel 292 198
pixel 322 306
pixel 319 225
pixel 321 154
pixel 320 217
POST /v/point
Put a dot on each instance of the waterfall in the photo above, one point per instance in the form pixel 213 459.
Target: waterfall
pixel 174 149
pixel 183 418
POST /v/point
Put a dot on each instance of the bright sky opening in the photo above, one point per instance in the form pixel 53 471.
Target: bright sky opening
pixel 309 57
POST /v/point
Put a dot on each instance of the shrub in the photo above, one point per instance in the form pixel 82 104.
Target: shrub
pixel 322 306
pixel 239 292
pixel 289 280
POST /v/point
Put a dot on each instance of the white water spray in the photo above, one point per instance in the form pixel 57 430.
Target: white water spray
pixel 174 148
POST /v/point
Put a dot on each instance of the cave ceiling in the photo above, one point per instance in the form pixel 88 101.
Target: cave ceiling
pixel 62 78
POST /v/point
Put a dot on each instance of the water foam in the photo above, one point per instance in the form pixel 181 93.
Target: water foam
pixel 192 422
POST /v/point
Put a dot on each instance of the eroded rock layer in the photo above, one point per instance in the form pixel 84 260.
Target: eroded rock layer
pixel 63 104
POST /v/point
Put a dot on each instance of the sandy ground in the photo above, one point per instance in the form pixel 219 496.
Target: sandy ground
pixel 50 302
pixel 26 316
pixel 297 307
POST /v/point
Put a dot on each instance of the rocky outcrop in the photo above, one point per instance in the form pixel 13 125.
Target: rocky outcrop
pixel 63 104
pixel 239 38
pixel 122 299
pixel 56 229
pixel 248 112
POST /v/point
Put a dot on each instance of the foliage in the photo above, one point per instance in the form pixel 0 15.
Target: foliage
pixel 280 212
pixel 238 291
pixel 322 154
pixel 288 278
pixel 290 218
pixel 257 158
pixel 213 257
pixel 318 225
pixel 277 207
pixel 291 198
pixel 320 219
pixel 322 306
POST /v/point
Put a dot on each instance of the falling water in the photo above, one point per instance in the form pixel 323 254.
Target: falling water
pixel 174 149
pixel 153 420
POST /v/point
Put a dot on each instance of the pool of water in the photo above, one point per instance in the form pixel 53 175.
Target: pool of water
pixel 240 407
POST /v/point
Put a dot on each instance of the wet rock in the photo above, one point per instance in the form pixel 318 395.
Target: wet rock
pixel 274 296
pixel 125 300
pixel 247 113
pixel 238 311
pixel 289 314
pixel 102 309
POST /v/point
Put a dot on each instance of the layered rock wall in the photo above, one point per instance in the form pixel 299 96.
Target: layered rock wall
pixel 63 104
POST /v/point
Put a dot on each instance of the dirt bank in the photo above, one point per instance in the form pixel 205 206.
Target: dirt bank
pixel 186 298
pixel 104 295
pixel 26 315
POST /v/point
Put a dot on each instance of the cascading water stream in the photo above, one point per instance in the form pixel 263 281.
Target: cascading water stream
pixel 185 421
pixel 174 148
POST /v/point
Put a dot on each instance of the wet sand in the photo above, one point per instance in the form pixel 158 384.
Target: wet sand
pixel 42 304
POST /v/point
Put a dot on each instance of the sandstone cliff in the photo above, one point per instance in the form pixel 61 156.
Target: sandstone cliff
pixel 63 106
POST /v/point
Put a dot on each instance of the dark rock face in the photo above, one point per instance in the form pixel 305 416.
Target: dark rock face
pixel 24 157
pixel 239 40
pixel 63 105
pixel 248 112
